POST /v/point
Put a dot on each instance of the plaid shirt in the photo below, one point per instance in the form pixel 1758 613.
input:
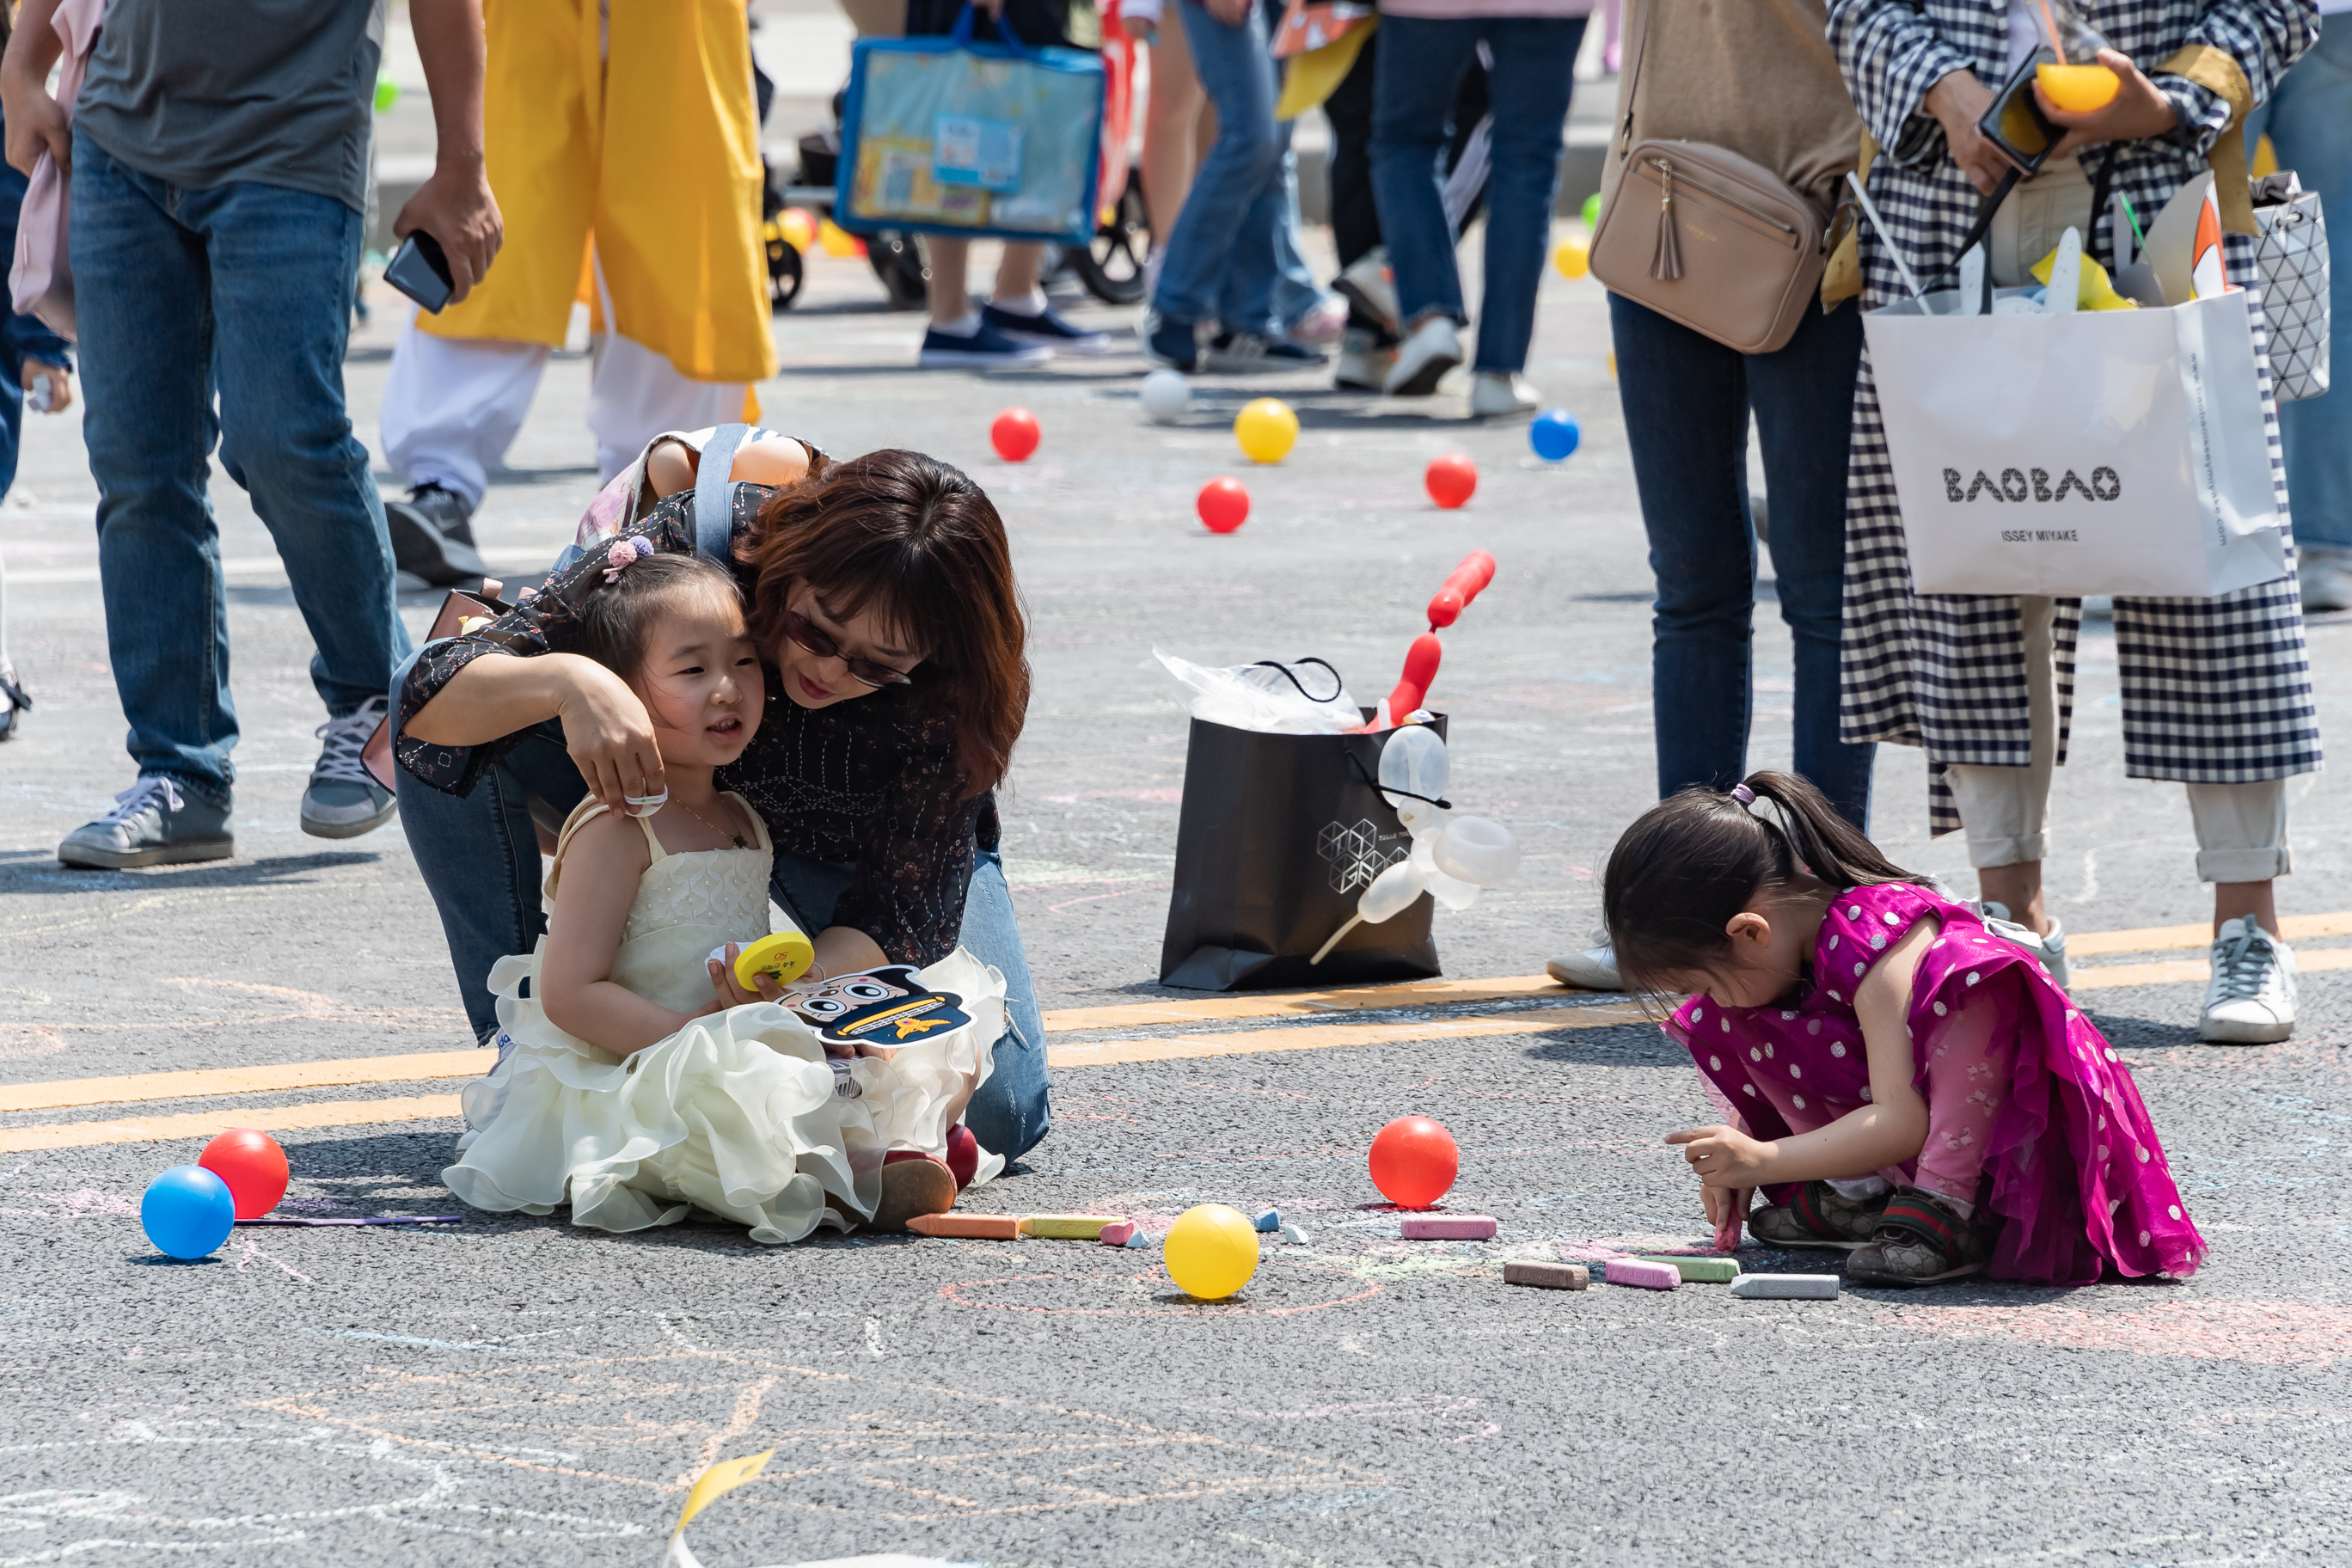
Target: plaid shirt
pixel 2214 691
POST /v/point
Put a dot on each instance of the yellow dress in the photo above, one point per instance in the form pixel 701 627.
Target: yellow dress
pixel 735 1115
pixel 646 142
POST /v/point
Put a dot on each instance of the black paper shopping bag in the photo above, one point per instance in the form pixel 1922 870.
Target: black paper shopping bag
pixel 1279 835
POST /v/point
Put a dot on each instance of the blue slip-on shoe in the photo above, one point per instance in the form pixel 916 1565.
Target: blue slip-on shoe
pixel 1172 345
pixel 1047 329
pixel 1243 352
pixel 984 349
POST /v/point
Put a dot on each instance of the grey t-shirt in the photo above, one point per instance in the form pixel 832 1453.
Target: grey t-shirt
pixel 204 93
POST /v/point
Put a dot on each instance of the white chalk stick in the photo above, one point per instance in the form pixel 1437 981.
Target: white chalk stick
pixel 1786 1287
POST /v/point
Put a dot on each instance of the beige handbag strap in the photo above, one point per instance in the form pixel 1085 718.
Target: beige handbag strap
pixel 1633 80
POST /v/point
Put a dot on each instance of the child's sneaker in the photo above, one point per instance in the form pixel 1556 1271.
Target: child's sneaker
pixel 1819 1215
pixel 1923 1239
pixel 913 1183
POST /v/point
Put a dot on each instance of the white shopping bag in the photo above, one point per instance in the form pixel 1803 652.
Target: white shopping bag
pixel 2096 452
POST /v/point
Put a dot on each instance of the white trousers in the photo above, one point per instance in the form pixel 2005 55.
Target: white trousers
pixel 452 405
pixel 2241 828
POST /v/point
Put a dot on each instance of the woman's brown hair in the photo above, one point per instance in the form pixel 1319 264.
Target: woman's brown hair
pixel 1699 856
pixel 915 540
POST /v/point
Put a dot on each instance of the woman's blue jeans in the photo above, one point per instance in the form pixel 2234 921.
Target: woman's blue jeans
pixel 1421 64
pixel 1687 399
pixel 2309 120
pixel 478 854
pixel 242 293
pixel 1233 255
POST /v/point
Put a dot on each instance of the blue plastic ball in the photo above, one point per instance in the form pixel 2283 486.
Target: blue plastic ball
pixel 1555 434
pixel 187 1212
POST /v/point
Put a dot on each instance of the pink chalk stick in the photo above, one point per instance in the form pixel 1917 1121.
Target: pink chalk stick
pixel 1649 1276
pixel 1447 1228
pixel 1116 1233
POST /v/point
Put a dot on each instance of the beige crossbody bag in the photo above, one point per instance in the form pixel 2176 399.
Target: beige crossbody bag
pixel 1733 252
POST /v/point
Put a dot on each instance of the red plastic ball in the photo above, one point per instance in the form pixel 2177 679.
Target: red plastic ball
pixel 1014 434
pixel 1415 1161
pixel 1451 479
pixel 1223 505
pixel 964 1154
pixel 252 1165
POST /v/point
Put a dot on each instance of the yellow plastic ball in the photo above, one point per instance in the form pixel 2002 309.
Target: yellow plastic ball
pixel 836 240
pixel 1211 1251
pixel 1267 430
pixel 1574 258
pixel 798 226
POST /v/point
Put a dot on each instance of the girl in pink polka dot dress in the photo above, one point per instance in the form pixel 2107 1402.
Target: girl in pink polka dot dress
pixel 1907 1084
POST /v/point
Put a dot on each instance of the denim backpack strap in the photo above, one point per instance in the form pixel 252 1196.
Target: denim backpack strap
pixel 714 495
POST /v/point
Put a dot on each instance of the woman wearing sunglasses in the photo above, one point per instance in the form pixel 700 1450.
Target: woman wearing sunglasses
pixel 881 591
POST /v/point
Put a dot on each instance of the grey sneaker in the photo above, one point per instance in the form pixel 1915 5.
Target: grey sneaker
pixel 2325 574
pixel 2250 1001
pixel 1370 287
pixel 2050 946
pixel 343 800
pixel 1364 361
pixel 433 537
pixel 1498 394
pixel 152 824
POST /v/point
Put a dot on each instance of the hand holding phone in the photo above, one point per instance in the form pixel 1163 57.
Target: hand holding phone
pixel 421 271
pixel 2015 123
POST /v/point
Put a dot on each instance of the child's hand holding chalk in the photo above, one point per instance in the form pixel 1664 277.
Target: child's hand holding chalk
pixel 1727 1211
pixel 1724 1156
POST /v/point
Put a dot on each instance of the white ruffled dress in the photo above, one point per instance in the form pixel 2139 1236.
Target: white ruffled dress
pixel 737 1114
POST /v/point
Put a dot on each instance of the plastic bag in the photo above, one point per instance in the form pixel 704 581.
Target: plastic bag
pixel 1270 698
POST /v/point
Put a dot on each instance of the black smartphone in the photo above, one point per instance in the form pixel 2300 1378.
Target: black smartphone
pixel 2015 123
pixel 420 270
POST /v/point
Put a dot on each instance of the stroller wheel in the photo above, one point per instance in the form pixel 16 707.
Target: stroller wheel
pixel 1112 266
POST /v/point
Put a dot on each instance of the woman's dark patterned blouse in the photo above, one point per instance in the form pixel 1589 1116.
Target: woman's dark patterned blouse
pixel 870 782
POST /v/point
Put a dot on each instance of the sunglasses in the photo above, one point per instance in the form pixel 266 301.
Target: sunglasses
pixel 864 671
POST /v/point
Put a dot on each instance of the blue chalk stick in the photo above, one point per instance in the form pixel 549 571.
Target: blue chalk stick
pixel 1270 1220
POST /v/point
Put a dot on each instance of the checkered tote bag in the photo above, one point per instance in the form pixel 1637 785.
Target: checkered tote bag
pixel 2292 254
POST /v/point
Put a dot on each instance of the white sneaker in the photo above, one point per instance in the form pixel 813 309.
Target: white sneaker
pixel 1594 969
pixel 1495 394
pixel 1363 365
pixel 2250 1001
pixel 1370 287
pixel 2326 577
pixel 1423 359
pixel 2049 947
pixel 1322 324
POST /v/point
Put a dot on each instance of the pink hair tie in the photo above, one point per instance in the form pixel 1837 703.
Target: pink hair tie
pixel 1739 792
pixel 623 554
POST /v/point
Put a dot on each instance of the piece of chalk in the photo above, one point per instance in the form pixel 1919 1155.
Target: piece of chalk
pixel 1295 1234
pixel 1067 1227
pixel 1447 1228
pixel 1116 1233
pixel 1786 1287
pixel 1139 1241
pixel 1697 1271
pixel 1270 1221
pixel 968 1227
pixel 1548 1276
pixel 1648 1276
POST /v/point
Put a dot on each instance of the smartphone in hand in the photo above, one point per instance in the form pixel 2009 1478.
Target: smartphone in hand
pixel 421 271
pixel 2015 123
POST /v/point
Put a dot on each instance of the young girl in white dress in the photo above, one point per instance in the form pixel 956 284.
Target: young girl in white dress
pixel 639 1084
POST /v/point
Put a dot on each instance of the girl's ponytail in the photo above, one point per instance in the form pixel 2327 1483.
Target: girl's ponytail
pixel 1698 857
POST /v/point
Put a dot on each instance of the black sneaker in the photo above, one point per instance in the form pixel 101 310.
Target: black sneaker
pixel 1172 345
pixel 433 537
pixel 1047 329
pixel 1245 352
pixel 985 349
pixel 152 824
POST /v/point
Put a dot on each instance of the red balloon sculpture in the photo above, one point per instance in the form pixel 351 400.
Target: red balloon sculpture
pixel 1420 669
pixel 1462 585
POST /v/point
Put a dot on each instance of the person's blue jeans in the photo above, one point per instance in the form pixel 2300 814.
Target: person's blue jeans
pixel 1234 255
pixel 22 338
pixel 2309 120
pixel 1421 64
pixel 242 293
pixel 478 855
pixel 1687 399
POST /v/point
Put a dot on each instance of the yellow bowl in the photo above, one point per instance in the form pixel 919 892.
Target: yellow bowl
pixel 2078 90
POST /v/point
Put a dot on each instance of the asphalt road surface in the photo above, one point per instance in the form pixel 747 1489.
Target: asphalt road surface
pixel 510 1390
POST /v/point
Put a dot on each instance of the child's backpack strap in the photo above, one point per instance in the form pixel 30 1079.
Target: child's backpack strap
pixel 714 494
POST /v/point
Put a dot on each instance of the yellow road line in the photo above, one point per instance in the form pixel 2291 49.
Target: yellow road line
pixel 2155 939
pixel 1303 1003
pixel 202 1082
pixel 2173 971
pixel 1328 1037
pixel 207 1123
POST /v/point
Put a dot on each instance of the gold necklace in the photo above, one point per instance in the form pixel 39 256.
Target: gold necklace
pixel 735 839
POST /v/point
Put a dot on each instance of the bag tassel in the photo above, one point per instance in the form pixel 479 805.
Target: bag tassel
pixel 1667 263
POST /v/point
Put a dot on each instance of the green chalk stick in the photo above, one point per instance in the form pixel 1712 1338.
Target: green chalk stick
pixel 1699 1270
